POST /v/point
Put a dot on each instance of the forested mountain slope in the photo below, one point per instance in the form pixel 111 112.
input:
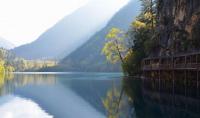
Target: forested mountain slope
pixel 88 57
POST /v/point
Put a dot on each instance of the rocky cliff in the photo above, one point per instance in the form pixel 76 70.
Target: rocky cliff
pixel 178 26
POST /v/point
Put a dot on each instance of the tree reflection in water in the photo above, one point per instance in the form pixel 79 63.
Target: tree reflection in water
pixel 116 104
pixel 156 98
pixel 11 81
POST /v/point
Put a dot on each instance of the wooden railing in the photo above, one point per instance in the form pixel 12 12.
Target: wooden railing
pixel 187 61
pixel 170 67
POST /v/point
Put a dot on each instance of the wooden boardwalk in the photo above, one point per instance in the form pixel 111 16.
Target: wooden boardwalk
pixel 185 66
pixel 190 61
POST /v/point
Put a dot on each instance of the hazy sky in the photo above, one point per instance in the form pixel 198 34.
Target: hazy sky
pixel 22 21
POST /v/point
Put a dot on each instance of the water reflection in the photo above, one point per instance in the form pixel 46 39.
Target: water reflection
pixel 73 96
pixel 91 88
pixel 115 106
pixel 11 107
pixel 162 98
pixel 68 95
pixel 9 82
pixel 99 95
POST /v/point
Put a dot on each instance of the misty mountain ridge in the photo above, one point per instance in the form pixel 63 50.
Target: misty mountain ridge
pixel 68 34
pixel 88 57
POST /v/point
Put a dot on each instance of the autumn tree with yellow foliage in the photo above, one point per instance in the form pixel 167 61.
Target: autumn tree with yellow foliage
pixel 2 62
pixel 2 69
pixel 115 46
pixel 141 38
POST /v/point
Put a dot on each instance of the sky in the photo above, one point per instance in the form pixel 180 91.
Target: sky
pixel 23 21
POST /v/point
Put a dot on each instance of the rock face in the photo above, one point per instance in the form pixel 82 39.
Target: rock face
pixel 178 26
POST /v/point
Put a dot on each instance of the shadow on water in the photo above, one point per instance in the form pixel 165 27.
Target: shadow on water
pixel 158 98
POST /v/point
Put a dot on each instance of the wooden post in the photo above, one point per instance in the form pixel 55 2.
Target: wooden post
pixel 190 61
pixel 198 87
pixel 159 79
pixel 196 58
pixel 173 84
pixel 173 80
pixel 174 62
pixel 185 61
pixel 185 81
pixel 173 69
pixel 197 83
pixel 185 87
pixel 159 63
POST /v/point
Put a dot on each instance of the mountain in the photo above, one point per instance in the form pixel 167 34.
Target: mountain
pixel 71 32
pixel 88 57
pixel 6 44
pixel 179 26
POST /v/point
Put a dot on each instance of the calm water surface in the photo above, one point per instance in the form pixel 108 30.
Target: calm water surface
pixel 95 95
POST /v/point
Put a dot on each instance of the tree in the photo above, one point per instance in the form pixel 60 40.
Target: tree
pixel 149 11
pixel 2 72
pixel 9 68
pixel 142 35
pixel 115 46
pixel 2 69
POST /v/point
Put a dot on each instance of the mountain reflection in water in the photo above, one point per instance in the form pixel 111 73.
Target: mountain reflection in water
pixel 17 107
pixel 9 82
pixel 100 95
pixel 160 98
pixel 66 95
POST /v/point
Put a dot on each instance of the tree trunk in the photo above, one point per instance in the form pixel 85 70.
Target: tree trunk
pixel 119 53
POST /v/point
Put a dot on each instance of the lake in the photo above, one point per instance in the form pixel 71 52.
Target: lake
pixel 96 95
